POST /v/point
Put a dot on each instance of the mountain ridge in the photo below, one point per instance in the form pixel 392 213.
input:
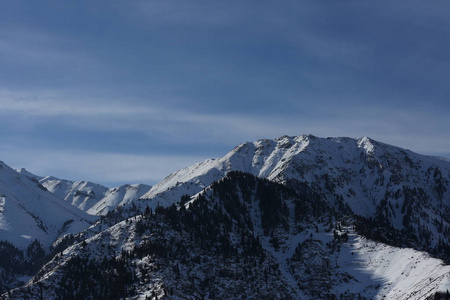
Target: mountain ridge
pixel 311 210
pixel 93 198
pixel 269 159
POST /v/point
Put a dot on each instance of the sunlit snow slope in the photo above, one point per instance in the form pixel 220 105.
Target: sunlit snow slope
pixel 91 197
pixel 361 170
pixel 28 211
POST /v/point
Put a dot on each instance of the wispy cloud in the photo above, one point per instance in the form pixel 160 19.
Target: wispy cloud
pixel 25 47
pixel 169 123
pixel 150 78
pixel 33 48
pixel 54 103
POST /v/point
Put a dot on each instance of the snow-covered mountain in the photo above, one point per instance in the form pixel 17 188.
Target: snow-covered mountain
pixel 115 197
pixel 240 236
pixel 405 190
pixel 340 162
pixel 25 172
pixel 91 197
pixel 292 218
pixel 29 212
pixel 82 194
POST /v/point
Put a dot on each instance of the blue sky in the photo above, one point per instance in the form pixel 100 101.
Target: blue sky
pixel 129 91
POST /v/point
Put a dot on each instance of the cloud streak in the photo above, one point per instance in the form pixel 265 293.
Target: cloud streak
pixel 166 123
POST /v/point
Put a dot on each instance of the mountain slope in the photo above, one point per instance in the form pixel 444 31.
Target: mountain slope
pixel 91 197
pixel 82 194
pixel 391 186
pixel 358 162
pixel 25 172
pixel 291 218
pixel 28 211
pixel 119 196
pixel 240 236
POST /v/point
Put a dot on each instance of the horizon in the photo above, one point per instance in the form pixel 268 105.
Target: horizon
pixel 115 92
pixel 117 184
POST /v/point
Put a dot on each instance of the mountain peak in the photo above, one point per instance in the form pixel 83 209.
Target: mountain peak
pixel 27 173
pixel 366 143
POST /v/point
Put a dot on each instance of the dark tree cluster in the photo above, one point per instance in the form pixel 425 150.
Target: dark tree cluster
pixel 84 278
pixel 310 204
pixel 186 239
pixel 440 296
pixel 383 232
pixel 14 262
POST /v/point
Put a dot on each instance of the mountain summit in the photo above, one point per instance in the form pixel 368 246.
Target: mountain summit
pixel 372 178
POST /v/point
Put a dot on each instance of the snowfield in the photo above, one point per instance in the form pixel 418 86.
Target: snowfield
pixel 394 273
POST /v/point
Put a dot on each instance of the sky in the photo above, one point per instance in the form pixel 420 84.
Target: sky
pixel 129 91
